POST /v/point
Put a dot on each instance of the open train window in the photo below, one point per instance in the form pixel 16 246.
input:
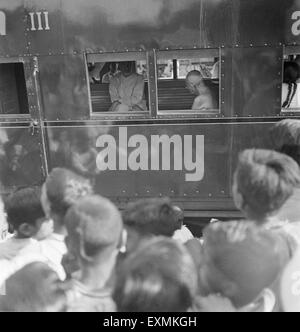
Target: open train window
pixel 13 92
pixel 290 94
pixel 189 81
pixel 118 83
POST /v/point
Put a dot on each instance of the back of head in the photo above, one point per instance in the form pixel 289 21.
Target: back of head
pixel 285 138
pixel 94 224
pixel 24 206
pixel 240 260
pixel 265 180
pixel 155 216
pixel 63 187
pixel 193 80
pixel 34 288
pixel 159 277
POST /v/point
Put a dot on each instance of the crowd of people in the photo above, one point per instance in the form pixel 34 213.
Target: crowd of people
pixel 67 249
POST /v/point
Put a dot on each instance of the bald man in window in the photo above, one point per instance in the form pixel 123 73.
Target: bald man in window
pixel 196 85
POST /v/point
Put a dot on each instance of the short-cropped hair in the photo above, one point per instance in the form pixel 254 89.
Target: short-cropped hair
pixel 154 216
pixel 97 220
pixel 63 188
pixel 285 138
pixel 24 206
pixel 34 288
pixel 159 277
pixel 243 254
pixel 266 179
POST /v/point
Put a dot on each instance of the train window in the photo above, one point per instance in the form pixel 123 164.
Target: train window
pixel 188 81
pixel 118 83
pixel 13 92
pixel 291 83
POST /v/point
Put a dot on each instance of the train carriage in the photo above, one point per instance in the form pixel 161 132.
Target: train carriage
pixel 55 105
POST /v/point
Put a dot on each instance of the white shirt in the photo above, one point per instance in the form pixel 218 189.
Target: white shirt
pixel 53 249
pixel 16 253
pixel 129 91
pixel 14 247
pixel 183 235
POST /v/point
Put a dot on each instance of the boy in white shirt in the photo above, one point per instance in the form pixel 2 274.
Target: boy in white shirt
pixel 60 191
pixel 94 229
pixel 241 262
pixel 25 214
pixel 127 90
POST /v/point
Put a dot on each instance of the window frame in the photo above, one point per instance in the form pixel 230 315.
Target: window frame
pixel 28 74
pixel 180 54
pixel 117 57
pixel 288 50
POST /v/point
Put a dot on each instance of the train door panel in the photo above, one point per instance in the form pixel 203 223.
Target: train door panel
pixel 21 152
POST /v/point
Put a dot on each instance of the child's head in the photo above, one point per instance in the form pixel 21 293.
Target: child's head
pixel 159 277
pixel 34 288
pixel 94 227
pixel 264 180
pixel 25 213
pixel 239 260
pixel 149 217
pixel 61 189
pixel 285 138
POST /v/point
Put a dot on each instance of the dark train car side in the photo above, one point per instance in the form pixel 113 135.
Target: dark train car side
pixel 55 101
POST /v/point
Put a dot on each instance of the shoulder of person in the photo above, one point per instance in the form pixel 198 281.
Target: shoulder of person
pixel 115 78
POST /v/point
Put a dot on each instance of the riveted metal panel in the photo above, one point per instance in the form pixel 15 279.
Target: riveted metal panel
pixel 13 41
pixel 44 27
pixel 79 148
pixel 64 90
pixel 117 25
pixel 69 146
pixel 257 79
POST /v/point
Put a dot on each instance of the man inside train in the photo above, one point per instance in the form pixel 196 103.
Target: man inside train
pixel 196 85
pixel 127 90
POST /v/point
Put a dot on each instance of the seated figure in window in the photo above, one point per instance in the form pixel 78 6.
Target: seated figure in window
pixel 197 86
pixel 127 90
pixel 290 86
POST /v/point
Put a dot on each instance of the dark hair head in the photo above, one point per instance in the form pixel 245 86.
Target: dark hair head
pixel 96 222
pixel 155 216
pixel 159 277
pixel 285 138
pixel 291 72
pixel 24 206
pixel 240 260
pixel 127 67
pixel 34 288
pixel 63 188
pixel 265 179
